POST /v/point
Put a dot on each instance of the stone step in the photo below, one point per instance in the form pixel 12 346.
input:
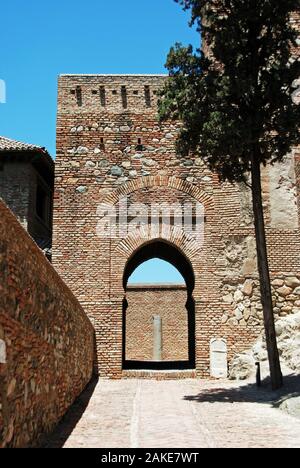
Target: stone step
pixel 159 374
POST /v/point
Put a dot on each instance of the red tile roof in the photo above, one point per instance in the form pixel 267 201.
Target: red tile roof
pixel 6 144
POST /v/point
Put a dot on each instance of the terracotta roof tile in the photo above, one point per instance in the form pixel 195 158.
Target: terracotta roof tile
pixel 6 144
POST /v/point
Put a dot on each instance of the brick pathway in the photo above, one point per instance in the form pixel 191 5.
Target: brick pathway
pixel 167 414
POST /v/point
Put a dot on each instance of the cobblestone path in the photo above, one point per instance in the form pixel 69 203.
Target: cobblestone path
pixel 173 414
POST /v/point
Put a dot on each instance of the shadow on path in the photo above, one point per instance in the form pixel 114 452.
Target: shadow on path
pixel 212 392
pixel 250 393
pixel 69 421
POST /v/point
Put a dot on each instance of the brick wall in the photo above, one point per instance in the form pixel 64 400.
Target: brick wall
pixel 169 302
pixel 109 146
pixel 46 340
pixel 18 188
pixel 15 189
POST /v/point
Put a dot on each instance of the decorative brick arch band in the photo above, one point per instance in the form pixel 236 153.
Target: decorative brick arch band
pixel 128 247
pixel 161 181
pixel 132 243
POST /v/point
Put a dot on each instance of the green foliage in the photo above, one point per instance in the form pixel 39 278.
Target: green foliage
pixel 239 103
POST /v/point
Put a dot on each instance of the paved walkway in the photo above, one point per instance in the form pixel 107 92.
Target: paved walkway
pixel 173 414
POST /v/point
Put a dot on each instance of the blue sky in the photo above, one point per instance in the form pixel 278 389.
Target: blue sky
pixel 156 271
pixel 40 40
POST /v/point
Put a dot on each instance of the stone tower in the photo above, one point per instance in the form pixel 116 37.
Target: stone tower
pixel 111 147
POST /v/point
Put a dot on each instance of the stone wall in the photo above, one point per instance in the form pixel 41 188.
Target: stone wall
pixel 111 145
pixel 46 340
pixel 166 301
pixel 243 297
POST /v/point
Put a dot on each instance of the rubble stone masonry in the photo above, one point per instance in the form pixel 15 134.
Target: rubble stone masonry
pixel 46 340
pixel 111 144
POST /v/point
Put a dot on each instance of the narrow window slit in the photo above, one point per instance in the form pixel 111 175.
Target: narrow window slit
pixel 102 96
pixel 79 96
pixel 124 97
pixel 139 146
pixel 147 96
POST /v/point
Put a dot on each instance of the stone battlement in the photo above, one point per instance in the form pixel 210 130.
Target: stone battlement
pixel 109 93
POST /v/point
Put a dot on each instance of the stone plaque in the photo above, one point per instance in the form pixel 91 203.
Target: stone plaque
pixel 2 352
pixel 218 358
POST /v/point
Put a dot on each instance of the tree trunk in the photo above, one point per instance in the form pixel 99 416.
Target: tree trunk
pixel 264 276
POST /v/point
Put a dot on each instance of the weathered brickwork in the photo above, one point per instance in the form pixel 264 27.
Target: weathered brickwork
pixel 110 144
pixel 169 303
pixel 26 186
pixel 46 340
pixel 15 190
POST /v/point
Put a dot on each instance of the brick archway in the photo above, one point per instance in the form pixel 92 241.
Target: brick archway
pixel 126 246
pixel 191 263
pixel 164 250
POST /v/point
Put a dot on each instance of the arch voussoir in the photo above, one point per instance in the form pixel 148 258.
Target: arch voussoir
pixel 170 182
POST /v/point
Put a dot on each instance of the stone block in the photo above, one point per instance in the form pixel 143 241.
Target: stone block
pixel 2 352
pixel 218 358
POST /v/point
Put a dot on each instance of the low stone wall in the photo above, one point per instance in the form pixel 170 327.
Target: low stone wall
pixel 46 340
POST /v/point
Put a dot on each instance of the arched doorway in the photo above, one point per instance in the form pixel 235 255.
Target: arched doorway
pixel 146 348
